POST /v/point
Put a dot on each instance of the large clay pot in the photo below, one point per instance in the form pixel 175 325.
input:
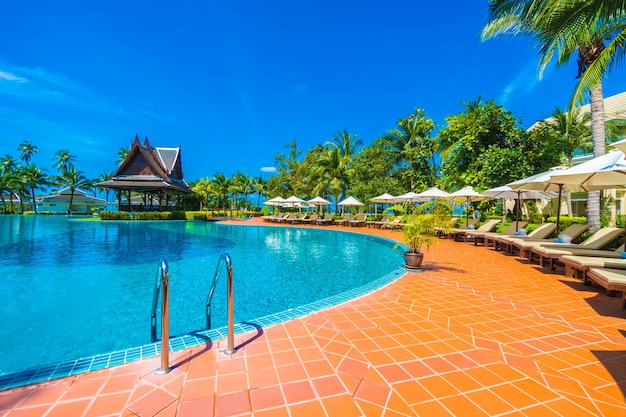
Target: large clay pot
pixel 413 260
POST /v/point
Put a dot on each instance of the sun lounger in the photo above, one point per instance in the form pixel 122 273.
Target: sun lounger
pixel 581 261
pixel 488 238
pixel 312 219
pixel 542 231
pixel 551 251
pixel 344 220
pixel 396 223
pixel 302 219
pixel 326 220
pixel 524 247
pixel 378 223
pixel 610 279
pixel 445 232
pixel 288 218
pixel 359 221
pixel 462 235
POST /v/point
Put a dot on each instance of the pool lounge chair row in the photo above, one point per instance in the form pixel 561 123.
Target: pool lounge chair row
pixel 328 219
pixel 589 260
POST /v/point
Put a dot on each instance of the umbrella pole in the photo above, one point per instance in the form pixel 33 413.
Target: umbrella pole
pixel 467 213
pixel 558 210
pixel 517 207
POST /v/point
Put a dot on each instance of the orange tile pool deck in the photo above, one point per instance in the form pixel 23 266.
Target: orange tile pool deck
pixel 477 333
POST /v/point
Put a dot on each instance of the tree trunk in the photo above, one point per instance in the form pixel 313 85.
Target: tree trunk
pixel 598 135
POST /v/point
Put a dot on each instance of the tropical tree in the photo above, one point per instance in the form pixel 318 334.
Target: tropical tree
pixel 10 181
pixel 72 179
pixel 331 174
pixel 104 176
pixel 470 133
pixel 122 153
pixel 562 29
pixel 204 190
pixel 33 179
pixel 220 189
pixel 27 150
pixel 260 188
pixel 346 142
pixel 413 148
pixel 64 160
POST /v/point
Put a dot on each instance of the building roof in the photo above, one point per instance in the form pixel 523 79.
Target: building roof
pixel 150 169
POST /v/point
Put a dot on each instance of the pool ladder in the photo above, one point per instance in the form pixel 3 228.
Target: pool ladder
pixel 162 287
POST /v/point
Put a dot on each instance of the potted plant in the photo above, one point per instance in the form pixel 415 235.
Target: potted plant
pixel 421 231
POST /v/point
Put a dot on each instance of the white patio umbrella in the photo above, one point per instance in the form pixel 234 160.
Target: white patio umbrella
pixel 543 182
pixel 411 197
pixel 276 201
pixel 620 144
pixel 385 198
pixel 604 172
pixel 433 192
pixel 467 195
pixel 506 192
pixel 319 201
pixel 350 201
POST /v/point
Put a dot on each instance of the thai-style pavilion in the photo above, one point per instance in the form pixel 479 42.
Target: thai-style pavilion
pixel 154 172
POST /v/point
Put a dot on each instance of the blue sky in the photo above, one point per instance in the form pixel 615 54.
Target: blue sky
pixel 232 82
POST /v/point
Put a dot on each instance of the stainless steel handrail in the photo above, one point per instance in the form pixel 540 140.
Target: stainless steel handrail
pixel 163 277
pixel 224 258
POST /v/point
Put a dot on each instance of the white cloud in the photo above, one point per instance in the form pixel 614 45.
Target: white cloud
pixel 10 77
pixel 521 85
pixel 301 89
pixel 268 169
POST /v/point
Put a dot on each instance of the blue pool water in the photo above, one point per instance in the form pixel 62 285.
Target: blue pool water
pixel 76 288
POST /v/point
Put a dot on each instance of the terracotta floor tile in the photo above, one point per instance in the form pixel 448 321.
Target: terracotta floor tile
pixel 262 378
pixel 232 404
pixel 328 386
pixel 489 402
pixel 70 408
pixel 300 391
pixel 232 383
pixel 264 398
pixel 393 373
pixel 311 408
pixel 438 386
pixel 340 406
pixel 431 408
pixel 412 392
pixel 460 405
pixel 151 404
pixel 199 407
pixel 373 393
pixel 83 389
pixel 197 389
pixel 290 373
pixel 107 404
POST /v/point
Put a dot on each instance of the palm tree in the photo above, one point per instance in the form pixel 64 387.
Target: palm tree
pixel 104 176
pixel 260 188
pixel 64 160
pixel 561 29
pixel 122 153
pixel 34 178
pixel 10 180
pixel 410 142
pixel 73 179
pixel 204 189
pixel 346 142
pixel 331 174
pixel 220 186
pixel 28 150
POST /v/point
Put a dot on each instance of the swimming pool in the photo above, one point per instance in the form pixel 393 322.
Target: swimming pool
pixel 75 288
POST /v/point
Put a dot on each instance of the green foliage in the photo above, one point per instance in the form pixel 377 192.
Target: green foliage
pixel 420 229
pixel 566 221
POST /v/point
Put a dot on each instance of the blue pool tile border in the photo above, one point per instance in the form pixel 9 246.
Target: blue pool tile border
pixel 101 361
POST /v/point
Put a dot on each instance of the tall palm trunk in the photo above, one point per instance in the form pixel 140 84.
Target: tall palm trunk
pixel 598 136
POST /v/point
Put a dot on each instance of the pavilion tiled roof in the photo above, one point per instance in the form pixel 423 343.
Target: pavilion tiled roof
pixel 151 169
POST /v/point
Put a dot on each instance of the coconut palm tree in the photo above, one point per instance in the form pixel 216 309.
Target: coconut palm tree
pixel 204 189
pixel 346 142
pixel 73 179
pixel 260 188
pixel 122 153
pixel 562 29
pixel 104 176
pixel 220 187
pixel 33 179
pixel 28 150
pixel 410 142
pixel 64 160
pixel 10 180
pixel 331 174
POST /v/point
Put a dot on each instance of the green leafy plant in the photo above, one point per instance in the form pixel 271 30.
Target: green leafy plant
pixel 421 228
